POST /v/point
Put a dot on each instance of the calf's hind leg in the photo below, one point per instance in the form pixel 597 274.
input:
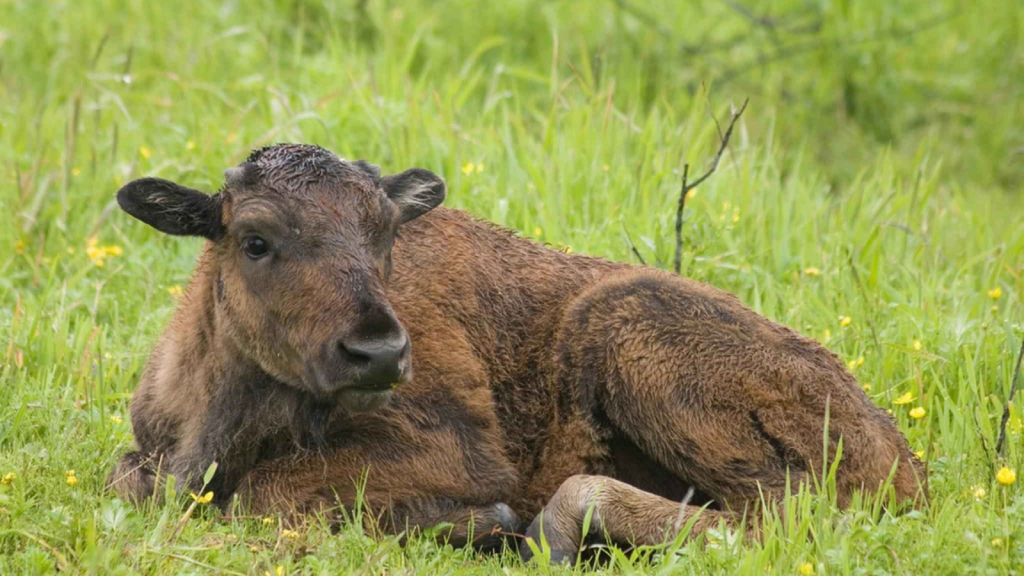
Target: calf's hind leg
pixel 726 400
pixel 626 514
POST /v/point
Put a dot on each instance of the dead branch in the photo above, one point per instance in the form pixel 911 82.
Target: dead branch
pixel 632 246
pixel 1009 400
pixel 687 186
pixel 786 52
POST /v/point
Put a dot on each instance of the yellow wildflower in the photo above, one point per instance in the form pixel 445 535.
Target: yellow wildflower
pixel 76 171
pixel 917 413
pixel 995 293
pixel 905 399
pixel 978 492
pixel 537 231
pixel 805 569
pixel 115 419
pixel 190 145
pixel 860 360
pixel 997 542
pixel 268 520
pixel 232 136
pixel 736 215
pixel 605 167
pixel 468 168
pixel 204 499
pixel 1006 476
pixel 144 152
pixel 8 478
pixel 174 291
pixel 852 365
pixel 1015 424
pixel 289 533
pixel 845 321
pixel 71 478
pixel 919 454
pixel 479 168
pixel 279 571
pixel 866 387
pixel 98 254
pixel 917 344
pixel 812 271
pixel 19 246
pixel 691 193
pixel 828 334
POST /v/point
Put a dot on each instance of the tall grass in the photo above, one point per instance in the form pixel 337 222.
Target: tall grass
pixel 876 175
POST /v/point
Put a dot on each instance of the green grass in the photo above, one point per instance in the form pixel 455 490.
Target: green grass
pixel 891 160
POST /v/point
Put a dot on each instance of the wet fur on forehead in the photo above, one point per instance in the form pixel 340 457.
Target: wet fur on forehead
pixel 292 167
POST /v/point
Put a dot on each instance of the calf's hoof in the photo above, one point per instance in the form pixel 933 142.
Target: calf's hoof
pixel 133 478
pixel 559 554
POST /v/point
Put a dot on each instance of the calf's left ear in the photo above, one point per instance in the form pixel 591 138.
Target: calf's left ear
pixel 415 191
pixel 172 208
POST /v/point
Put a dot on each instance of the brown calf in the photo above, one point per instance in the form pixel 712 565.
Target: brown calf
pixel 474 376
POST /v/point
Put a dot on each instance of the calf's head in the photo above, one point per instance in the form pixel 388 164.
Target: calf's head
pixel 301 243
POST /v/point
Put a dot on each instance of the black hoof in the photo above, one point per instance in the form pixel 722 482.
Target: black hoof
pixel 507 519
pixel 505 523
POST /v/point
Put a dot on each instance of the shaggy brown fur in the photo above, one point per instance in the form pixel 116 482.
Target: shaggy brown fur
pixel 538 380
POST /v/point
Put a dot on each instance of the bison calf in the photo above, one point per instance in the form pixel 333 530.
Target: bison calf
pixel 473 376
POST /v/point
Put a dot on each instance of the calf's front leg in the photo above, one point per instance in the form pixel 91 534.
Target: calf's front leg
pixel 397 495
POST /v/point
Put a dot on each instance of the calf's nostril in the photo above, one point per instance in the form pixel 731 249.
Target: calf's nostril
pixel 354 354
pixel 379 362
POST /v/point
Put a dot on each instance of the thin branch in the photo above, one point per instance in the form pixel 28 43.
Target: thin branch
pixel 644 17
pixel 687 186
pixel 677 260
pixel 1006 409
pixel 721 149
pixel 632 246
pixel 765 21
pixel 798 49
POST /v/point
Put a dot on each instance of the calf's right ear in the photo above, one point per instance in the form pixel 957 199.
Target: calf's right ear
pixel 172 208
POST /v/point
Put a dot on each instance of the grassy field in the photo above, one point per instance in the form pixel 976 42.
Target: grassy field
pixel 871 198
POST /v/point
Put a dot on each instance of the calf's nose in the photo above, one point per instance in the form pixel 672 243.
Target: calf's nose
pixel 378 363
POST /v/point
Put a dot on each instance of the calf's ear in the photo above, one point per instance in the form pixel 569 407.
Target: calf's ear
pixel 172 208
pixel 415 192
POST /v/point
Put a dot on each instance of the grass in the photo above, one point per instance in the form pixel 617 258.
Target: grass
pixel 876 175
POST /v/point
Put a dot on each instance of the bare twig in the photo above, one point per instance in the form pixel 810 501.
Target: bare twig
pixel 645 18
pixel 677 260
pixel 791 24
pixel 687 186
pixel 1009 400
pixel 797 49
pixel 766 21
pixel 633 246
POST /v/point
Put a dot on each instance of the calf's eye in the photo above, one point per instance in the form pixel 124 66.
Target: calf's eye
pixel 255 247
